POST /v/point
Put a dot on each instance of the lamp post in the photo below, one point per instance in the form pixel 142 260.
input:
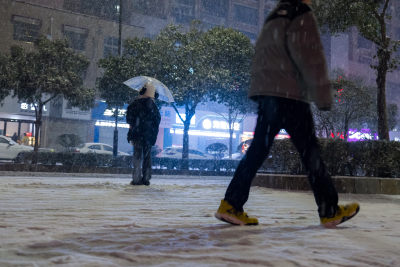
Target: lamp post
pixel 116 111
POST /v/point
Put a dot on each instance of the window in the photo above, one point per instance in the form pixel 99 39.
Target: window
pixel 246 14
pixel 108 148
pixel 3 141
pixel 154 8
pixel 110 46
pixel 363 59
pixel 26 29
pixel 215 8
pixel 95 147
pixel 101 8
pixel 76 37
pixel 183 10
pixel 363 43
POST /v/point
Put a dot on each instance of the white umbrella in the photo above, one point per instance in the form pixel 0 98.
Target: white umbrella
pixel 138 82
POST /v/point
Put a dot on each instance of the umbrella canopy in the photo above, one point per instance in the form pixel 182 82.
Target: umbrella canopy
pixel 138 82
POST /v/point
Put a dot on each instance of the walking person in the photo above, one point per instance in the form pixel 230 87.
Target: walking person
pixel 143 118
pixel 288 72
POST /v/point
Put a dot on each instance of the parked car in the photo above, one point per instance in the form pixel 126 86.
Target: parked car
pixel 176 153
pixel 9 149
pixel 98 148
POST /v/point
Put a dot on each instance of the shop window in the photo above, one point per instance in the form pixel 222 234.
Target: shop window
pixel 110 46
pixel 1 127
pixel 246 14
pixel 76 37
pixel 26 29
pixel 12 127
pixel 215 8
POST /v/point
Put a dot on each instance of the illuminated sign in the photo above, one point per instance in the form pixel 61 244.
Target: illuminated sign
pixel 110 112
pixel 26 106
pixel 111 124
pixel 203 133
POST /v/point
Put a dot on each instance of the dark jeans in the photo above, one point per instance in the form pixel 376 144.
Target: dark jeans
pixel 275 113
pixel 141 163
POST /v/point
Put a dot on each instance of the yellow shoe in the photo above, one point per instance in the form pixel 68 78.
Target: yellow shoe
pixel 229 214
pixel 343 213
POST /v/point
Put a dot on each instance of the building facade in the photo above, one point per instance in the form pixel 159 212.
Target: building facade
pixel 94 34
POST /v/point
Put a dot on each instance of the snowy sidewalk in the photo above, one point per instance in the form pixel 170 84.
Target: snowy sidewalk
pixel 72 221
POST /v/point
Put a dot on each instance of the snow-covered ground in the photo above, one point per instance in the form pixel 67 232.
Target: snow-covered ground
pixel 92 221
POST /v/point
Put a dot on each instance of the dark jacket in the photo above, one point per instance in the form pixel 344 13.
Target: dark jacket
pixel 289 61
pixel 144 119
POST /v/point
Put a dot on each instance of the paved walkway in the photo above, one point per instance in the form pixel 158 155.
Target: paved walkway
pixel 102 221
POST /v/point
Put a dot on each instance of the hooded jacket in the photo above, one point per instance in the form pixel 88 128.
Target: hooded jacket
pixel 144 119
pixel 289 61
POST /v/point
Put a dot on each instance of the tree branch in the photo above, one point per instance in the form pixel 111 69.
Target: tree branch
pixel 48 100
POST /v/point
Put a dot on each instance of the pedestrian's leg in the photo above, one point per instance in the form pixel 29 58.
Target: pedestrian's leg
pixel 146 168
pixel 300 127
pixel 268 125
pixel 137 162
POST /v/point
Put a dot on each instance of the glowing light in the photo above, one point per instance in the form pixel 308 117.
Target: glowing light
pixel 110 124
pixel 203 133
pixel 207 124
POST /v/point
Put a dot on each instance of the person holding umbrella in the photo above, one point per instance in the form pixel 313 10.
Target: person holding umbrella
pixel 144 119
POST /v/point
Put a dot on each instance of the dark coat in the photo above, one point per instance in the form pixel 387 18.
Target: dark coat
pixel 289 61
pixel 144 119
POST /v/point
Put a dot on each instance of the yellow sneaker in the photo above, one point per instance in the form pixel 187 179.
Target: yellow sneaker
pixel 343 213
pixel 229 214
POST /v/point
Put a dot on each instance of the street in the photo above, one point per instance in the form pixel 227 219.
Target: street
pixel 48 220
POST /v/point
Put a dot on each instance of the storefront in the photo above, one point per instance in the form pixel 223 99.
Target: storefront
pixel 17 120
pixel 205 128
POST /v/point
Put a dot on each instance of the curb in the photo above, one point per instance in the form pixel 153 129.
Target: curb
pixel 343 184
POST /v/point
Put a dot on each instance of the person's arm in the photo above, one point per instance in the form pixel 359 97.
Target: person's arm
pixel 130 115
pixel 305 48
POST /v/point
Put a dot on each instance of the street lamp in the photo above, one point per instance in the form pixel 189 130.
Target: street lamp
pixel 116 112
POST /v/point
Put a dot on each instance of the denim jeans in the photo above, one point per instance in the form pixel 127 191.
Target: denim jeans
pixel 275 113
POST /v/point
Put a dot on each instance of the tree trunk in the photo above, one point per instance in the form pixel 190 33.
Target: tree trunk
pixel 230 134
pixel 38 123
pixel 115 137
pixel 185 149
pixel 383 129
